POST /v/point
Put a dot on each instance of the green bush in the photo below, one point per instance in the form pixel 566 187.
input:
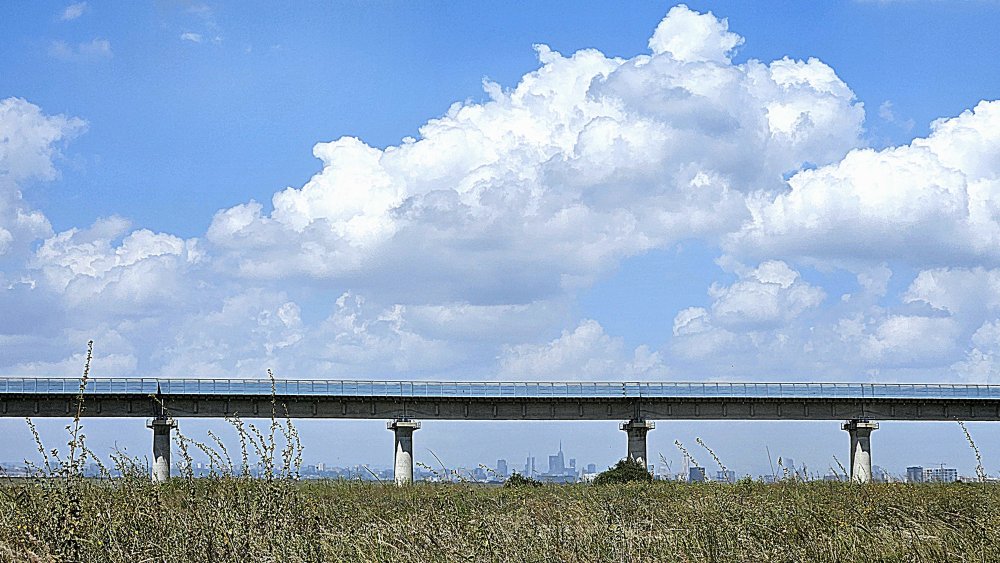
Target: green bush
pixel 518 480
pixel 625 471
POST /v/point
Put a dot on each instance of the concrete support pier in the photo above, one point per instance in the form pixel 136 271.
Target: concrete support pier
pixel 403 468
pixel 161 447
pixel 636 430
pixel 861 449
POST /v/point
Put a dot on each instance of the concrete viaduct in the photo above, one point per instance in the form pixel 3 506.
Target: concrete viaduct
pixel 638 405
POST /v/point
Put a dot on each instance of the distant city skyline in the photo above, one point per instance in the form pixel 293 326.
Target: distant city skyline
pixel 559 472
pixel 740 445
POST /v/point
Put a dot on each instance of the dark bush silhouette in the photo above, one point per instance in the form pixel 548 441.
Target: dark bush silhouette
pixel 518 480
pixel 624 471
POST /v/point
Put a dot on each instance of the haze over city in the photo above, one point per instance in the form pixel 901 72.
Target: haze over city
pixel 643 191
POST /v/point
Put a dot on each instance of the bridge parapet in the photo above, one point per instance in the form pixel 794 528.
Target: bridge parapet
pixel 499 390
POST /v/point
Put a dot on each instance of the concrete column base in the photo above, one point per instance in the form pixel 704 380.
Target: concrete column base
pixel 861 448
pixel 403 467
pixel 636 431
pixel 161 447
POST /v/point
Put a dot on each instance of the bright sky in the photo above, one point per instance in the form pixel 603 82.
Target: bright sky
pixel 559 190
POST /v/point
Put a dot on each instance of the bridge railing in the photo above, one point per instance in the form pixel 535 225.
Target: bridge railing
pixel 416 389
pixel 63 386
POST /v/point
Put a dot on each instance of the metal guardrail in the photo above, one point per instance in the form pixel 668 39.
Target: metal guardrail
pixel 416 389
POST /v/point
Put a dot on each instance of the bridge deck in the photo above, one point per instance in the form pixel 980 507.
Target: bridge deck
pixel 140 397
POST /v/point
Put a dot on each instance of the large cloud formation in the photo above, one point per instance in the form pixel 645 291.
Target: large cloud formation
pixel 588 160
pixel 930 203
pixel 28 147
pixel 460 253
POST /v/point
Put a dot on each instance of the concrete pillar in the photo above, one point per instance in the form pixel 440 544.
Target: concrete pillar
pixel 161 447
pixel 636 430
pixel 861 449
pixel 403 468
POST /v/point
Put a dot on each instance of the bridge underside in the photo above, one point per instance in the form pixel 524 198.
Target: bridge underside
pixel 431 408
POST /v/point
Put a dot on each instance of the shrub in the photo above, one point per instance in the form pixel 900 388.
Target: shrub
pixel 624 471
pixel 518 480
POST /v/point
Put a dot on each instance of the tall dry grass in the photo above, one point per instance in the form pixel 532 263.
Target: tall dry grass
pixel 58 515
pixel 248 519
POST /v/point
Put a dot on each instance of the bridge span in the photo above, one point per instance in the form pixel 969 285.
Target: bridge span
pixel 164 400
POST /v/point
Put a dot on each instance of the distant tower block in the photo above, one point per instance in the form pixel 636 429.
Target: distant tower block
pixel 403 430
pixel 161 427
pixel 636 431
pixel 861 449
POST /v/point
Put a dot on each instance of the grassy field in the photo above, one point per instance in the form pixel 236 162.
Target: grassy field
pixel 243 519
pixel 59 515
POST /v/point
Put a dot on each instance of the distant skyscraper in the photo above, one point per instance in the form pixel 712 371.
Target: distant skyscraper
pixel 696 474
pixel 591 468
pixel 557 465
pixel 502 467
pixel 915 474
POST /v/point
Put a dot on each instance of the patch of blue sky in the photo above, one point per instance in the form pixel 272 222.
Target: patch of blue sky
pixel 180 129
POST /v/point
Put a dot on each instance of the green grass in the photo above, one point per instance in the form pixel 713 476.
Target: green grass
pixel 243 519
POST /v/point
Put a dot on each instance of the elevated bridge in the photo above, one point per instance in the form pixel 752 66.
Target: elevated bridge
pixel 402 402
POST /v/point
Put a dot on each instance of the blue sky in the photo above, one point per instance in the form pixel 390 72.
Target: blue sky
pixel 224 124
pixel 678 202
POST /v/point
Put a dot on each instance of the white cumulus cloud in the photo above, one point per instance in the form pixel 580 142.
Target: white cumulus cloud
pixel 73 11
pixel 137 268
pixel 690 36
pixel 771 294
pixel 586 352
pixel 94 50
pixel 930 203
pixel 29 147
pixel 588 160
pixel 766 299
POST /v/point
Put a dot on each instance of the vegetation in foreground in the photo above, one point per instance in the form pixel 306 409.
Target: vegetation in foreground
pixel 625 471
pixel 245 519
pixel 59 515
